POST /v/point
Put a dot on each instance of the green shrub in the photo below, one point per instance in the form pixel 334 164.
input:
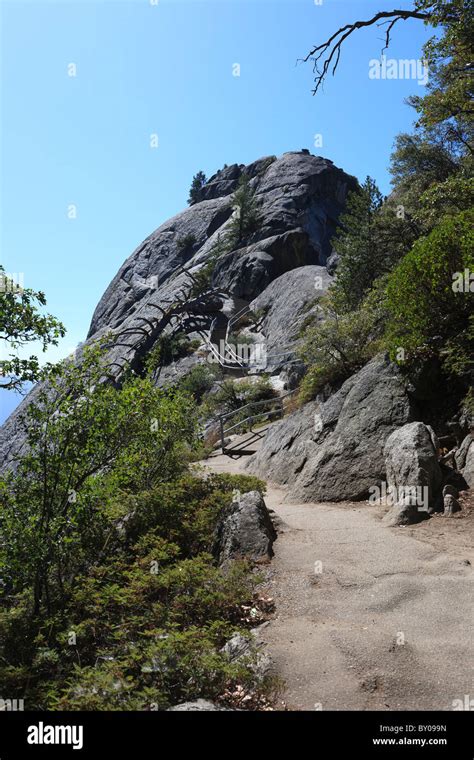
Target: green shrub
pixel 233 395
pixel 180 666
pixel 184 512
pixel 186 242
pixel 86 440
pixel 342 343
pixel 199 381
pixel 448 198
pixel 429 299
pixel 149 615
pixel 168 348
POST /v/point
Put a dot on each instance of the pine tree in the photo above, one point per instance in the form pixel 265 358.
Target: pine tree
pixel 362 258
pixel 247 215
pixel 199 180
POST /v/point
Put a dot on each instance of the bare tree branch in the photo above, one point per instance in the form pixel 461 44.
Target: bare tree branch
pixel 390 26
pixel 332 47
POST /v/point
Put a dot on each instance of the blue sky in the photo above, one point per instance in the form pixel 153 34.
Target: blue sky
pixel 167 69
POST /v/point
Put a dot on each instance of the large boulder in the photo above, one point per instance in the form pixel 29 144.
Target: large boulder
pixel 334 451
pixel 414 477
pixel 283 451
pixel 245 531
pixel 450 505
pixel 246 272
pixel 303 191
pixel 465 460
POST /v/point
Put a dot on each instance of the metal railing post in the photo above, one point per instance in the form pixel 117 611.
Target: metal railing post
pixel 222 435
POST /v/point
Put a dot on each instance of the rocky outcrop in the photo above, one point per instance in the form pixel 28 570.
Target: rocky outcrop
pixel 245 272
pixel 226 180
pixel 245 650
pixel 287 303
pixel 332 263
pixel 300 197
pixel 245 531
pixel 465 460
pixel 414 477
pixel 334 451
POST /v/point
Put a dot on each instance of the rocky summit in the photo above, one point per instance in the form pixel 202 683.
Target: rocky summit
pixel 300 197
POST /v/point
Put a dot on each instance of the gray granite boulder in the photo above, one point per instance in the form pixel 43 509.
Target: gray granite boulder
pixel 414 477
pixel 450 505
pixel 246 272
pixel 245 649
pixel 245 531
pixel 465 459
pixel 332 263
pixel 334 451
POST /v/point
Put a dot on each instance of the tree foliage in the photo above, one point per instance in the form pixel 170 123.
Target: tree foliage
pixel 109 595
pixel 142 627
pixel 430 296
pixel 340 343
pixel 199 180
pixel 448 104
pixel 21 323
pixel 246 213
pixel 80 429
pixel 362 259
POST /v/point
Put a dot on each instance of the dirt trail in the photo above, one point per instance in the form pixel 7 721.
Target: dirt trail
pixel 368 617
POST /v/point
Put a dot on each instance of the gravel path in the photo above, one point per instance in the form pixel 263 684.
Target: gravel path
pixel 368 617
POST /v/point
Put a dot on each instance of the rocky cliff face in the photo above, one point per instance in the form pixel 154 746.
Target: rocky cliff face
pixel 300 197
pixel 279 268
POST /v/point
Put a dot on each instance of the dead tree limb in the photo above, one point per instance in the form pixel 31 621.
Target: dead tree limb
pixel 131 330
pixel 332 47
pixel 144 319
pixel 184 271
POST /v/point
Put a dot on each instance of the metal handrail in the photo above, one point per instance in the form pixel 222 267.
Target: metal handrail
pixel 254 417
pixel 222 417
pixel 255 403
pixel 235 319
pixel 212 349
pixel 230 322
